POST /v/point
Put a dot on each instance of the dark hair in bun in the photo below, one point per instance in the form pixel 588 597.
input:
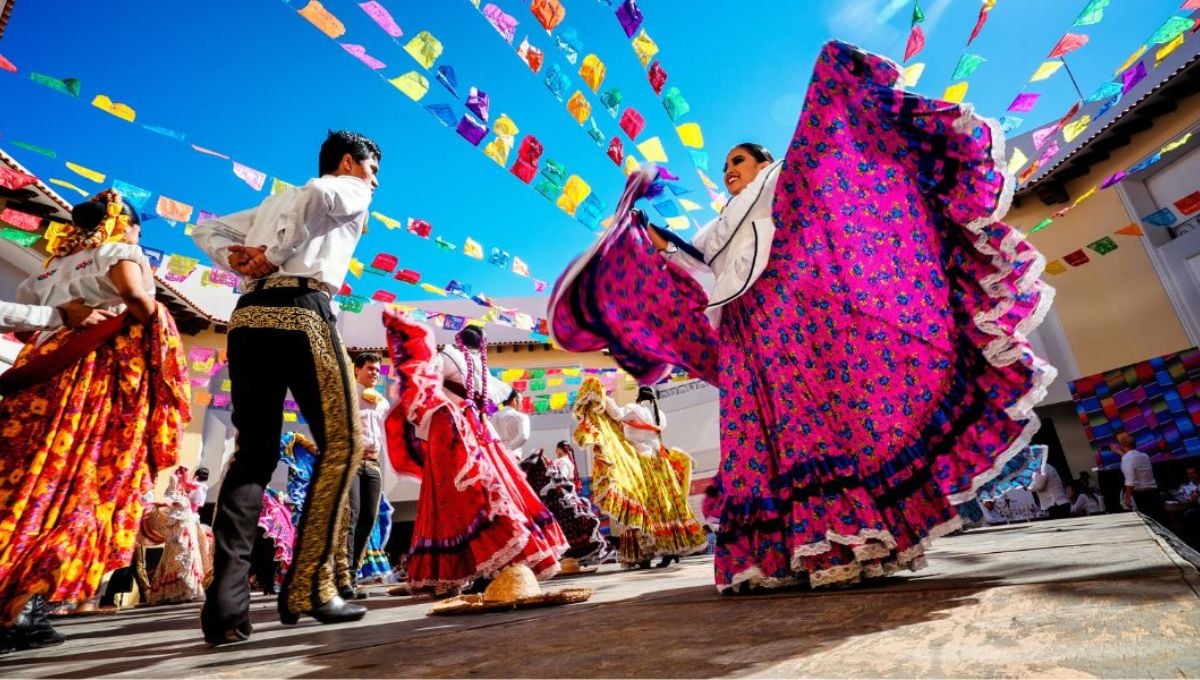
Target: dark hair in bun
pixel 87 216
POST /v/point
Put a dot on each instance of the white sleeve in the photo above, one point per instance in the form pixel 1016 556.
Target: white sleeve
pixel 1127 470
pixel 687 262
pixel 16 317
pixel 319 207
pixel 522 434
pixel 215 236
pixel 1039 481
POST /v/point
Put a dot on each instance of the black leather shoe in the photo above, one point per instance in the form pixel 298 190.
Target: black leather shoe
pixel 237 633
pixel 336 610
pixel 39 633
pixel 666 561
pixel 348 594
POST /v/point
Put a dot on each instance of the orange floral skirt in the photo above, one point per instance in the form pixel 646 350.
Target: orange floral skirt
pixel 78 453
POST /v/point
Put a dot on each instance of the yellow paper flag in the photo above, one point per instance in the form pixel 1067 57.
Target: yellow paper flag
pixel 576 189
pixel 1047 69
pixel 955 93
pixel 911 74
pixel 86 173
pixel 320 17
pixel 566 205
pixel 412 84
pixel 579 107
pixel 1166 50
pixel 631 165
pixel 498 150
pixel 690 135
pixel 592 71
pixel 387 221
pixel 279 186
pixel 67 185
pixel 1085 196
pixel 678 223
pixel 652 150
pixel 505 127
pixel 429 288
pixel 289 417
pixel 424 48
pixel 1018 161
pixel 690 206
pixel 707 182
pixel 645 48
pixel 1055 267
pixel 558 400
pixel 356 267
pixel 472 248
pixel 1076 127
pixel 122 111
pixel 1129 62
pixel 1168 147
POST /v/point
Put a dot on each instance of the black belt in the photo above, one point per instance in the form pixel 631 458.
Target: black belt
pixel 288 282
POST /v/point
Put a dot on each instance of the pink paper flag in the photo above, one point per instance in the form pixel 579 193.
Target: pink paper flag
pixel 916 42
pixel 1024 102
pixel 7 65
pixel 250 176
pixel 539 286
pixel 360 53
pixel 1040 137
pixel 983 16
pixel 1067 44
pixel 382 17
pixel 21 220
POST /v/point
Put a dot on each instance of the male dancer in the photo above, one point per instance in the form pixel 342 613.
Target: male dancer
pixel 293 252
pixel 366 485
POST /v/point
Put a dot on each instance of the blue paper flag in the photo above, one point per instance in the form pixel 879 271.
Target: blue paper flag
pixel 1161 218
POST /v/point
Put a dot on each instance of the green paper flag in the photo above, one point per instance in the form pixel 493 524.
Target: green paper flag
pixel 918 15
pixel 35 149
pixel 967 64
pixel 1092 13
pixel 1041 225
pixel 444 244
pixel 541 403
pixel 1175 26
pixel 69 86
pixel 1104 246
pixel 23 238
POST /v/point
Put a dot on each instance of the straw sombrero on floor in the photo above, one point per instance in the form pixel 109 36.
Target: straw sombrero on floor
pixel 572 567
pixel 515 588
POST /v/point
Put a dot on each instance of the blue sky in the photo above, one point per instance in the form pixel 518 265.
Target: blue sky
pixel 257 82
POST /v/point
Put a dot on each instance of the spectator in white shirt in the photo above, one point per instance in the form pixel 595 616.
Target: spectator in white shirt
pixel 1189 491
pixel 512 425
pixel 1052 497
pixel 1084 501
pixel 1141 489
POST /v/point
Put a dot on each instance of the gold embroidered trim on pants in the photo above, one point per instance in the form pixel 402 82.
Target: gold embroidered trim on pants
pixel 321 536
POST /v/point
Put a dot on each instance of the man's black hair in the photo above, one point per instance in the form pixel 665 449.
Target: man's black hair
pixel 365 358
pixel 342 142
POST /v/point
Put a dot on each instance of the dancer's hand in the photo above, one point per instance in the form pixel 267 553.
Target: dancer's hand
pixel 78 315
pixel 254 262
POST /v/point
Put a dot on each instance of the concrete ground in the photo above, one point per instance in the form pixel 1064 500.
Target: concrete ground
pixel 1100 596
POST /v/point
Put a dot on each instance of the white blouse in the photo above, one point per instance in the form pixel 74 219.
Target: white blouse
pixel 646 441
pixel 85 275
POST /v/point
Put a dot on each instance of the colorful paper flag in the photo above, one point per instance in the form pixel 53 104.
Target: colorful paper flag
pixel 250 176
pixel 424 48
pixel 1076 258
pixel 387 221
pixel 652 150
pixel 657 77
pixel 630 17
pixel 532 56
pixel 632 123
pixel 279 186
pixel 419 227
pixel 7 65
pixel 645 48
pixel 14 179
pixel 86 173
pixel 691 135
pixel 1103 246
pixel 67 185
pixel 1129 62
pixel 1132 77
pixel 1055 267
pixel 505 24
pixel 1166 50
pixel 1068 44
pixel 1092 13
pixel 1075 128
pixel 1171 146
pixel 1017 161
pixel 519 267
pixel 1010 123
pixel 1130 230
pixel 1105 91
pixel 360 53
pixel 173 210
pixel 579 107
pixel 472 248
pixel 122 111
pixel 956 92
pixel 1173 27
pixel 1047 69
pixel 981 19
pixel 381 17
pixel 20 220
pixel 549 13
pixel 911 75
pixel 592 71
pixel 320 17
pixel 67 86
pixel 916 43
pixel 1024 102
pixel 412 84
pixel 967 64
pixel 1041 225
pixel 1162 217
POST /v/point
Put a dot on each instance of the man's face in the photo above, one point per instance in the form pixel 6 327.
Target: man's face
pixel 1193 476
pixel 367 170
pixel 367 374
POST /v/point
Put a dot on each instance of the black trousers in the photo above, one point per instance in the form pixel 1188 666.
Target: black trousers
pixel 1149 502
pixel 365 489
pixel 284 339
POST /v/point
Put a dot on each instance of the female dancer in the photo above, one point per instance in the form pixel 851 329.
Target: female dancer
pixel 643 486
pixel 180 574
pixel 574 514
pixel 476 514
pixel 871 342
pixel 89 418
